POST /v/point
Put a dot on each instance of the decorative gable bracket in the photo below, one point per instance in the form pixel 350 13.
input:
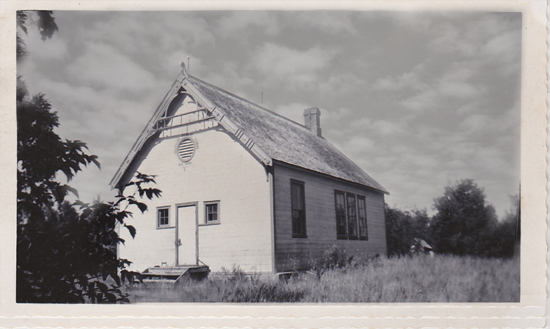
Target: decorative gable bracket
pixel 148 131
pixel 207 115
pixel 228 125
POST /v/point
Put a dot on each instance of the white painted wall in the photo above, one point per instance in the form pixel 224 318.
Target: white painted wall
pixel 223 170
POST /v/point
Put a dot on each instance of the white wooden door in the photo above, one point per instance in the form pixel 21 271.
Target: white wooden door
pixel 187 235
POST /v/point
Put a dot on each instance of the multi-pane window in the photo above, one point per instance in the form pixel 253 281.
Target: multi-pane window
pixel 212 212
pixel 298 209
pixel 351 216
pixel 340 201
pixel 163 217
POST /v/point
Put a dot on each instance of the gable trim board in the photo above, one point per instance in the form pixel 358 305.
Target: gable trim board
pixel 271 139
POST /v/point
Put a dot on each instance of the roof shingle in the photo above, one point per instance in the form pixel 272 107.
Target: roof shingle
pixel 283 139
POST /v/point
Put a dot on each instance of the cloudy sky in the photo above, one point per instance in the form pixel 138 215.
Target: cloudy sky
pixel 418 100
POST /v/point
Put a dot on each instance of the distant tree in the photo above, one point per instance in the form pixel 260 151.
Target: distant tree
pixel 505 237
pixel 402 227
pixel 464 223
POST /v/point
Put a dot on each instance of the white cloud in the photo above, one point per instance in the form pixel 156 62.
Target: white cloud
pixel 358 145
pixel 54 48
pixel 336 114
pixel 142 32
pixel 455 82
pixel 421 102
pixel 361 123
pixel 332 23
pixel 242 22
pixel 380 126
pixel 107 68
pixel 177 30
pixel 468 108
pixel 450 40
pixel 476 123
pixel 491 159
pixel 501 49
pixel 281 63
pixel 385 127
pixel 416 20
pixel 340 84
pixel 458 89
pixel 408 80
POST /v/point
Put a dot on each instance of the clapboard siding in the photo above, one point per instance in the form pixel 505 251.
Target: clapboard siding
pixel 295 253
pixel 223 170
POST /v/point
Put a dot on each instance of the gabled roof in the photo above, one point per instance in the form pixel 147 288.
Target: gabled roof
pixel 273 136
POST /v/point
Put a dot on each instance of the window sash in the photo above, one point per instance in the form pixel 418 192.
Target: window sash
pixel 211 212
pixel 298 209
pixel 352 216
pixel 362 217
pixel 163 217
pixel 340 208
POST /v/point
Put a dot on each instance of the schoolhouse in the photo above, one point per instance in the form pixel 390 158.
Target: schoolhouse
pixel 244 186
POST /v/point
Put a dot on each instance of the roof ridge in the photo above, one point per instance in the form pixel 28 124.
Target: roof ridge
pixel 374 184
pixel 250 102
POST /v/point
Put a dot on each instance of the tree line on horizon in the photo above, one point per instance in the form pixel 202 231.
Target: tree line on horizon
pixel 464 224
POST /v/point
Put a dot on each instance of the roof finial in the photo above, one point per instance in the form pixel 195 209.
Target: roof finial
pixel 183 70
pixel 188 64
pixel 262 95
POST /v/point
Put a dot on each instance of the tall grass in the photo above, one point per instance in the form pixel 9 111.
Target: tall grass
pixel 406 279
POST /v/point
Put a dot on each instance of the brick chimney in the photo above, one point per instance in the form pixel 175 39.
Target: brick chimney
pixel 312 120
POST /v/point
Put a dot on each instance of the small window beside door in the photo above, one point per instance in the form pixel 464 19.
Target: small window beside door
pixel 211 212
pixel 163 217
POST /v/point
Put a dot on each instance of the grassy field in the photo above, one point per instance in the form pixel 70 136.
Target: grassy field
pixel 406 279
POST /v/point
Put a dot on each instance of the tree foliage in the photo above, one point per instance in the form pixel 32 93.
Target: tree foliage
pixel 70 255
pixel 402 229
pixel 466 225
pixel 463 225
pixel 464 222
pixel 505 237
pixel 45 22
pixel 66 253
pixel 41 154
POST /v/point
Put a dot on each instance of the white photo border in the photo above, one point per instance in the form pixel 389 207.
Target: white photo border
pixel 529 312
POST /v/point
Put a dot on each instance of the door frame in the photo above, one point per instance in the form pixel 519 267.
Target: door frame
pixel 176 242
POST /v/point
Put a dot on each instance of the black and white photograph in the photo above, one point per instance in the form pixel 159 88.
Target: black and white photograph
pixel 312 157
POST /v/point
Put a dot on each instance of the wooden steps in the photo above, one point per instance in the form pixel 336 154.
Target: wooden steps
pixel 174 274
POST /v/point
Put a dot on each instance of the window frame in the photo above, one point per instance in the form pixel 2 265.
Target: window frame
pixel 362 220
pixel 340 216
pixel 354 215
pixel 167 225
pixel 351 213
pixel 212 222
pixel 302 218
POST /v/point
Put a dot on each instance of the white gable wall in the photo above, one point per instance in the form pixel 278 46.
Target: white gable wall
pixel 223 170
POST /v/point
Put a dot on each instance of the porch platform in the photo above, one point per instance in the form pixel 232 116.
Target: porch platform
pixel 175 274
